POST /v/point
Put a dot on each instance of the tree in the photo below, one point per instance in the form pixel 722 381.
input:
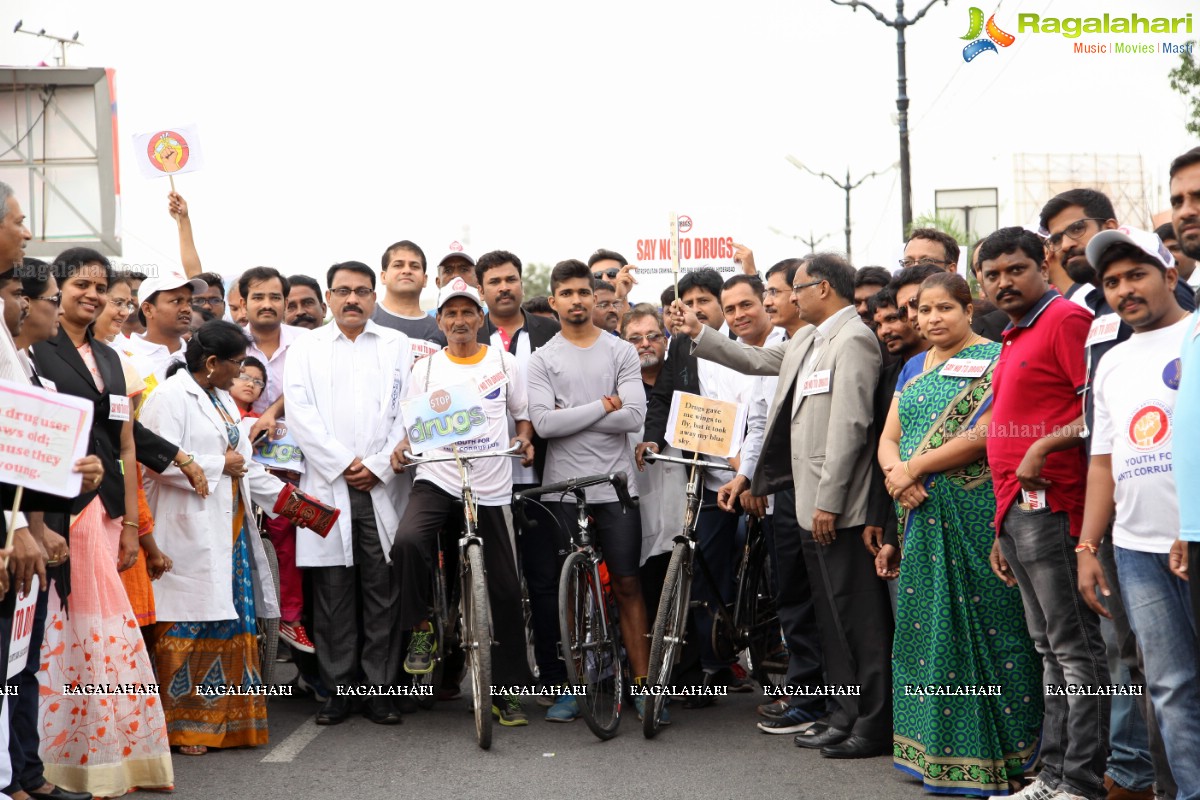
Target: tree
pixel 939 223
pixel 1185 79
pixel 535 279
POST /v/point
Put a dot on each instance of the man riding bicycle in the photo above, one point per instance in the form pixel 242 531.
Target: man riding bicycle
pixel 435 500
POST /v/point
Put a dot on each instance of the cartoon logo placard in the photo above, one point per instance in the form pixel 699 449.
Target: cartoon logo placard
pixel 168 151
pixel 978 44
pixel 1149 427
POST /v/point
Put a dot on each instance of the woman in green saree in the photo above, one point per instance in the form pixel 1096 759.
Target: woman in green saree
pixel 967 699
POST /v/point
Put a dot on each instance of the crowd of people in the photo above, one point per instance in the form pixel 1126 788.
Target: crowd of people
pixel 974 485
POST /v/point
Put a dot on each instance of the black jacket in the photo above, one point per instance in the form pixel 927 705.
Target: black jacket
pixel 990 325
pixel 59 361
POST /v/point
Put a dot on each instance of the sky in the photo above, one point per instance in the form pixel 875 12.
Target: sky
pixel 551 129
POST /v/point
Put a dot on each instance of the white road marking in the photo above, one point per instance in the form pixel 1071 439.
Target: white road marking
pixel 286 751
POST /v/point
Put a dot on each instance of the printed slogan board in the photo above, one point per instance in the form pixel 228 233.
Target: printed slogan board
pixel 711 427
pixel 42 435
pixel 702 243
pixel 444 417
pixel 171 151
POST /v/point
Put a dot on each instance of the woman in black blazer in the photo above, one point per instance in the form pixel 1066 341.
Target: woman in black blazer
pixel 99 642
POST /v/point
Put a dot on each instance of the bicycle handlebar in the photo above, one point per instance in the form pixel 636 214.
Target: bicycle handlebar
pixel 618 480
pixel 512 452
pixel 652 456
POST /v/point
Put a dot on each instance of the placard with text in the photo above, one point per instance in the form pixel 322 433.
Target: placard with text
pixel 702 425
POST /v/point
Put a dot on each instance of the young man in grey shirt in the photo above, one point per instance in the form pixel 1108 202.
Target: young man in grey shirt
pixel 588 436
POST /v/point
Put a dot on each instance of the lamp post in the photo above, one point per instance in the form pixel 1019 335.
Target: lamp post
pixel 900 23
pixel 812 241
pixel 846 187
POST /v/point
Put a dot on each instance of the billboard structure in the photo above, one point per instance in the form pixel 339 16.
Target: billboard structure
pixel 1040 176
pixel 58 150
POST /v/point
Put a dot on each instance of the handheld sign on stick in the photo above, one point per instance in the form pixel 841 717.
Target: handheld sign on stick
pixel 169 151
pixel 675 252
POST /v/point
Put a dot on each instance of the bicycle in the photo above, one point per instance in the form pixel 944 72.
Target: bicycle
pixel 473 624
pixel 589 635
pixel 667 635
pixel 752 624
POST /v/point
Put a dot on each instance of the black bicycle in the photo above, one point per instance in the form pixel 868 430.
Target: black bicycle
pixel 472 627
pixel 590 636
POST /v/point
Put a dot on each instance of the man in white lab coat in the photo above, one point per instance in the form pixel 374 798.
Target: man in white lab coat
pixel 343 384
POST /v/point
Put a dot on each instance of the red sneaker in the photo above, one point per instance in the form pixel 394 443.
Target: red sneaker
pixel 296 637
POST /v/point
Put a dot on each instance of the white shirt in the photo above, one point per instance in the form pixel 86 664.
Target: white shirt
pixel 356 408
pixel 274 364
pixel 718 382
pixel 520 475
pixel 1135 390
pixel 149 359
pixel 491 478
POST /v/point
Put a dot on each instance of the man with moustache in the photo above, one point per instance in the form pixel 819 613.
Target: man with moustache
pixel 209 302
pixel 305 308
pixel 777 296
pixel 235 304
pixel 265 291
pixel 1069 221
pixel 606 314
pixel 507 327
pixel 1185 217
pixel 1185 264
pixel 166 313
pixel 867 282
pixel 344 383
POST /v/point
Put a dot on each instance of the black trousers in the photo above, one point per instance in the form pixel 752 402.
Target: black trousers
pixel 355 620
pixel 429 510
pixel 542 547
pixel 23 734
pixel 855 620
pixel 794 603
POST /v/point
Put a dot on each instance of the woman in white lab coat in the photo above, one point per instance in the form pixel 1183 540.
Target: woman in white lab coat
pixel 220 583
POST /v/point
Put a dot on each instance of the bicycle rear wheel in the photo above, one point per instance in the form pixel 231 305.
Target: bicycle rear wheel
pixel 590 645
pixel 477 642
pixel 268 627
pixel 667 638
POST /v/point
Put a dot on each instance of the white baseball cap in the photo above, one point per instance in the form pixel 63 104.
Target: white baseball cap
pixel 458 288
pixel 1146 241
pixel 167 282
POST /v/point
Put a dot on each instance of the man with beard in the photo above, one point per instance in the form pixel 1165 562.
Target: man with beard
pixel 585 398
pixel 1185 207
pixel 209 304
pixel 1069 221
pixel 166 313
pixel 403 277
pixel 506 327
pixel 305 308
pixel 1183 262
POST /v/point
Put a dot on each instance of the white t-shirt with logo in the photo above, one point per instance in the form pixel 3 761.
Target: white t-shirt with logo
pixel 1135 390
pixel 503 391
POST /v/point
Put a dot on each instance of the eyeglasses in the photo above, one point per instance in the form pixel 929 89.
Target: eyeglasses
pixel 54 299
pixel 604 305
pixel 119 305
pixel 611 272
pixel 797 288
pixel 208 301
pixel 362 292
pixel 652 338
pixel 238 361
pixel 923 262
pixel 255 382
pixel 1073 231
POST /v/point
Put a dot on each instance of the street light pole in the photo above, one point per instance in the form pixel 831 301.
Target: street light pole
pixel 846 187
pixel 900 23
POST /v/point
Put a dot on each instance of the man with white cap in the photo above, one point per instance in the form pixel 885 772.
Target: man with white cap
pixel 456 264
pixel 166 313
pixel 435 501
pixel 1131 476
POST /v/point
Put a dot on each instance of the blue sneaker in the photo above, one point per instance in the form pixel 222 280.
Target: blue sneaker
pixel 793 720
pixel 565 709
pixel 639 703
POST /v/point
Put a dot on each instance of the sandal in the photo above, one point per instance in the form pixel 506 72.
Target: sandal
pixel 192 750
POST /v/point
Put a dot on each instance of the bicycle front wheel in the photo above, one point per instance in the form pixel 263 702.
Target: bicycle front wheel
pixel 667 638
pixel 477 642
pixel 590 646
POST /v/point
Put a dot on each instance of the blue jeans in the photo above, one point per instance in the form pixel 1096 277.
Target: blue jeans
pixel 1041 554
pixel 1161 615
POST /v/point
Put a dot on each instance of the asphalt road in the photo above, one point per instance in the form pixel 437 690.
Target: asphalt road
pixel 715 752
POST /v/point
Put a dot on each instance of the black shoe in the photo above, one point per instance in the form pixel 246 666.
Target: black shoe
pixel 855 746
pixel 406 704
pixel 819 736
pixel 59 793
pixel 382 711
pixel 335 710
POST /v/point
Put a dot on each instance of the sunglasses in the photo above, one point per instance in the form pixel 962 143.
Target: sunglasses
pixel 611 272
